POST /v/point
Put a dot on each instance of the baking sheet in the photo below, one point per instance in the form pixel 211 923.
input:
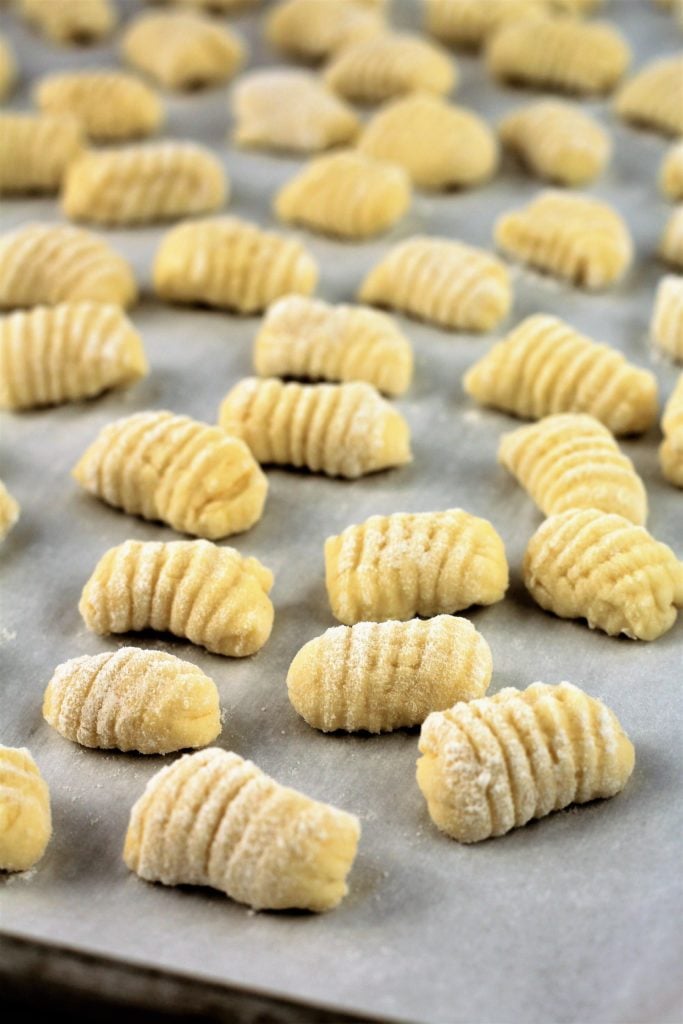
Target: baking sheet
pixel 573 918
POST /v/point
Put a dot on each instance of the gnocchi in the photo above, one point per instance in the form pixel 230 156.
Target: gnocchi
pixel 25 816
pixel 8 68
pixel 70 21
pixel 671 243
pixel 671 448
pixel 651 99
pixel 36 150
pixel 557 141
pixel 183 50
pixel 111 106
pixel 469 23
pixel 667 317
pixel 388 65
pixel 9 511
pixel 671 173
pixel 311 31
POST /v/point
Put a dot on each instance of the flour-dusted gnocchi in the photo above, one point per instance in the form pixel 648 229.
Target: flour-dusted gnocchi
pixel 494 764
pixel 70 21
pixel 593 565
pixel 344 430
pixel 666 327
pixel 51 263
pixel 443 282
pixel 671 242
pixel 560 54
pixel 557 141
pixel 144 183
pixel 573 237
pixel 129 699
pixel 212 818
pixel 112 106
pixel 652 98
pixel 407 564
pixel 311 31
pixel 63 353
pixel 671 448
pixel 388 65
pixel 469 23
pixel 440 145
pixel 572 461
pixel 347 194
pixel 172 468
pixel 35 151
pixel 544 366
pixel 25 816
pixel 183 50
pixel 232 264
pixel 214 597
pixel 8 68
pixel 303 337
pixel 292 110
pixel 671 173
pixel 379 676
pixel 9 511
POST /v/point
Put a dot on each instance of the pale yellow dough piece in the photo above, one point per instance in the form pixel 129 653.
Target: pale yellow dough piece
pixel 444 282
pixel 666 327
pixel 573 237
pixel 388 65
pixel 344 430
pixel 671 448
pixel 63 353
pixel 406 564
pixel 440 145
pixel 25 817
pixel 379 676
pixel 312 31
pixel 652 98
pixel 469 23
pixel 128 699
pixel 112 106
pixel 309 338
pixel 144 183
pixel 231 264
pixel 494 764
pixel 557 141
pixel 593 565
pixel 71 21
pixel 212 818
pixel 8 68
pixel 347 194
pixel 35 151
pixel 544 366
pixel 291 110
pixel 9 511
pixel 211 596
pixel 559 54
pixel 671 173
pixel 671 243
pixel 572 461
pixel 218 6
pixel 172 468
pixel 183 50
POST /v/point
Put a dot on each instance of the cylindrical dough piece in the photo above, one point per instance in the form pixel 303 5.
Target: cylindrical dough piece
pixel 671 448
pixel 671 172
pixel 671 243
pixel 557 141
pixel 25 818
pixel 111 106
pixel 9 511
pixel 69 22
pixel 666 327
pixel 8 68
pixel 652 97
pixel 388 65
pixel 36 150
pixel 469 23
pixel 312 31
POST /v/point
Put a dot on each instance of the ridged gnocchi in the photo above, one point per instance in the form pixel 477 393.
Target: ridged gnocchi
pixel 111 106
pixel 51 263
pixel 671 448
pixel 70 21
pixel 35 151
pixel 25 816
pixel 652 98
pixel 309 338
pixel 347 194
pixel 444 282
pixel 8 68
pixel 214 597
pixel 172 468
pixel 129 699
pixel 212 818
pixel 671 173
pixel 593 565
pixel 573 237
pixel 666 328
pixel 469 23
pixel 557 141
pixel 407 564
pixel 9 511
pixel 388 65
pixel 311 31
pixel 344 430
pixel 440 145
pixel 380 676
pixel 544 366
pixel 494 764
pixel 183 50
pixel 231 264
pixel 572 461
pixel 63 353
pixel 671 242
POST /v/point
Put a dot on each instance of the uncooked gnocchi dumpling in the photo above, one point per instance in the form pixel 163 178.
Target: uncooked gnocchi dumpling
pixel 494 764
pixel 35 151
pixel 161 466
pixel 51 263
pixel 182 50
pixel 671 243
pixel 469 23
pixel 593 565
pixel 347 194
pixel 211 596
pixel 379 676
pixel 25 817
pixel 544 366
pixel 129 699
pixel 312 31
pixel 9 511
pixel 407 564
pixel 70 21
pixel 572 461
pixel 667 317
pixel 143 184
pixel 557 141
pixel 291 110
pixel 66 352
pixel 8 68
pixel 671 173
pixel 344 430
pixel 303 337
pixel 212 818
pixel 671 448
pixel 219 6
pixel 573 237
pixel 440 145
pixel 444 282
pixel 112 106
pixel 232 264
pixel 652 98
pixel 388 65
